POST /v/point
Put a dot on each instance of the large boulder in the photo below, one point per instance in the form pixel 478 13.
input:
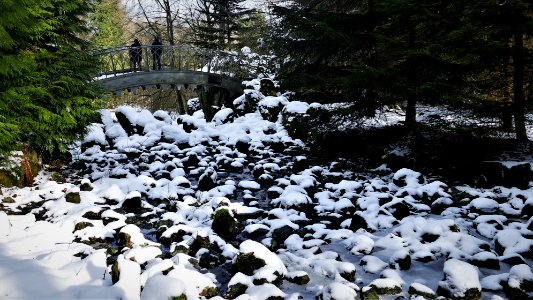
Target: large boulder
pixel 132 202
pixel 207 180
pixel 520 283
pixel 271 106
pixel 254 259
pixel 495 173
pixel 461 281
pixel 224 224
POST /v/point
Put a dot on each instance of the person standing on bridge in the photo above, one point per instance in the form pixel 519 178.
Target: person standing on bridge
pixel 157 51
pixel 136 55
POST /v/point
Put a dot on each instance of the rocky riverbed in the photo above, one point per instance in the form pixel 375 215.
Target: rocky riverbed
pixel 156 206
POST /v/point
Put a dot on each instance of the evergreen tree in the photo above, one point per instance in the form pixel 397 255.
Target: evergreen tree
pixel 374 53
pixel 328 50
pixel 413 52
pixel 45 99
pixel 108 21
pixel 488 43
pixel 218 23
pixel 253 32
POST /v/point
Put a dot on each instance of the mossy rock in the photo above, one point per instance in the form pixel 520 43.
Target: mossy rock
pixel 8 200
pixel 385 290
pixel 516 294
pixel 180 249
pixel 112 251
pixel 82 225
pixel 370 294
pixel 426 294
pixel 300 279
pixel 132 204
pixel 199 243
pixel 86 187
pixel 73 197
pixel 224 225
pixel 180 297
pixel 236 290
pixel 454 228
pixel 350 276
pixel 247 263
pixel 115 272
pixel 58 177
pixel 267 87
pixel 124 240
pixel 470 294
pixel 358 222
pixel 208 292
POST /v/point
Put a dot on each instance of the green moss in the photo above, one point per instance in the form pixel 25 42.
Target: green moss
pixel 370 294
pixel 58 177
pixel 11 178
pixel 111 251
pixel 180 297
pixel 8 200
pixel 388 291
pixel 115 273
pixel 73 197
pixel 470 294
pixel 247 263
pixel 236 290
pixel 82 225
pixel 180 249
pixel 350 276
pixel 86 187
pixel 124 239
pixel 300 280
pixel 224 224
pixel 208 292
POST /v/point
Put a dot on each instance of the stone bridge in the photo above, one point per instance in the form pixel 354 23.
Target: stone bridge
pixel 215 75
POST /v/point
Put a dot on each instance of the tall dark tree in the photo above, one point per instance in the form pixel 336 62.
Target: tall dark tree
pixel 491 42
pixel 377 52
pixel 327 48
pixel 45 99
pixel 215 23
pixel 413 53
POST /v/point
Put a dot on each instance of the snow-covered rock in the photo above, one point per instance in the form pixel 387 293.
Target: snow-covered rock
pixel 461 280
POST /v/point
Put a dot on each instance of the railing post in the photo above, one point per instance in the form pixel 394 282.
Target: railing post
pixel 179 58
pixel 113 66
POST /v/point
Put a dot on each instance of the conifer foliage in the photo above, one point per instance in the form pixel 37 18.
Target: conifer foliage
pixel 108 21
pixel 218 23
pixel 45 99
pixel 378 52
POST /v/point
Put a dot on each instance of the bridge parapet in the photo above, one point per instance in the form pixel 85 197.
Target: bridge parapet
pixel 117 61
pixel 215 75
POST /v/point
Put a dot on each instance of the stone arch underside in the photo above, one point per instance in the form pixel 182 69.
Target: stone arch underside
pixel 213 89
pixel 171 79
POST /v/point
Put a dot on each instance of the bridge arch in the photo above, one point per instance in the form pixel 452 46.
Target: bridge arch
pixel 216 75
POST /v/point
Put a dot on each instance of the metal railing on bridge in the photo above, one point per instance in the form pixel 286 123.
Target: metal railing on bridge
pixel 120 60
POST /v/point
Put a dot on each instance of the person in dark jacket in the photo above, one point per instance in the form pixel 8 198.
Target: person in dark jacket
pixel 157 51
pixel 136 55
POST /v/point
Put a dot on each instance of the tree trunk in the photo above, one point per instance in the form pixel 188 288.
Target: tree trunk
pixel 170 25
pixel 410 113
pixel 518 87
